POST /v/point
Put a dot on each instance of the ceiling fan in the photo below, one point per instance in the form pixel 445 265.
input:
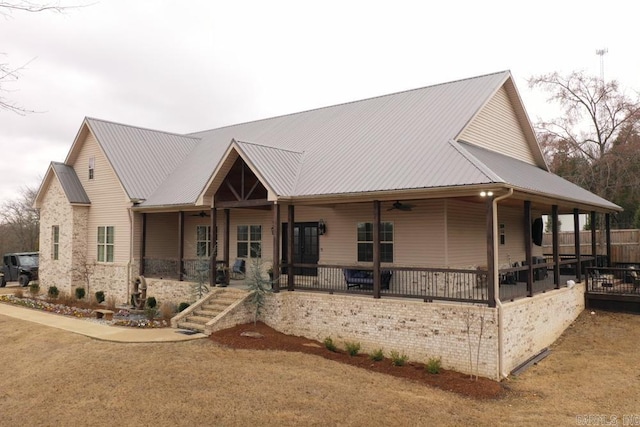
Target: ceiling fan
pixel 401 206
pixel 201 214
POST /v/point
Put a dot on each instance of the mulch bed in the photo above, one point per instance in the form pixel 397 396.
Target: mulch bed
pixel 270 339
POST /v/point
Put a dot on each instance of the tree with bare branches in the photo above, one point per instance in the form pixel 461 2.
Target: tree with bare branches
pixel 594 143
pixel 10 74
pixel 20 222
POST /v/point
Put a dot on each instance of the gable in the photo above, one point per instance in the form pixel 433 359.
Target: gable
pixel 498 128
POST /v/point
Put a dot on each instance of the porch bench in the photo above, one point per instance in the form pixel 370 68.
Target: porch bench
pixel 360 278
pixel 102 313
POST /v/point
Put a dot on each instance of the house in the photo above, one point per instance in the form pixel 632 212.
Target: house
pixel 442 188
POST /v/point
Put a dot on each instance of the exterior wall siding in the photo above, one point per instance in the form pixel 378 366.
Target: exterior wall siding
pixel 497 128
pixel 109 207
pixel 66 272
pixel 531 324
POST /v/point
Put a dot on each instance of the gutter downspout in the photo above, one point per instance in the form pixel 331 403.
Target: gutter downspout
pixel 130 254
pixel 496 284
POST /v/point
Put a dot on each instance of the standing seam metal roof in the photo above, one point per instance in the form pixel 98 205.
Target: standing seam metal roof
pixel 141 158
pixel 70 183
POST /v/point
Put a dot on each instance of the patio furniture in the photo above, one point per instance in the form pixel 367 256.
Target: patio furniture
pixel 360 278
pixel 238 269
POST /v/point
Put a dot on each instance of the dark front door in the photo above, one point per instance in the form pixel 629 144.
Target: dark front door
pixel 306 248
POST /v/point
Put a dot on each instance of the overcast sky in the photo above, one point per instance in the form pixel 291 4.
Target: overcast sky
pixel 185 66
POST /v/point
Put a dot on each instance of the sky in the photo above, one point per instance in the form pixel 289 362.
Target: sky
pixel 189 65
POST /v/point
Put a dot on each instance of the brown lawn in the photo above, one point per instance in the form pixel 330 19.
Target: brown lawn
pixel 52 377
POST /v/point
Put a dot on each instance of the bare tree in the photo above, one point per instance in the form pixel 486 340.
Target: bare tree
pixel 594 143
pixel 9 74
pixel 21 221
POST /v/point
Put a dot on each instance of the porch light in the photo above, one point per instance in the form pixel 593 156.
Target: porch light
pixel 322 227
pixel 486 193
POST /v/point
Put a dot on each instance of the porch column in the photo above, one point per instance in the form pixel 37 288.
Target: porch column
pixel 528 242
pixel 607 230
pixel 594 249
pixel 225 249
pixel 275 265
pixel 491 282
pixel 376 249
pixel 180 245
pixel 143 244
pixel 290 231
pixel 213 250
pixel 576 232
pixel 555 245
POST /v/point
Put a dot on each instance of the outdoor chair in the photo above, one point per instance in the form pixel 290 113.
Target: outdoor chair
pixel 238 269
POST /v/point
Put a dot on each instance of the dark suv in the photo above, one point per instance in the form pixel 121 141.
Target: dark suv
pixel 20 266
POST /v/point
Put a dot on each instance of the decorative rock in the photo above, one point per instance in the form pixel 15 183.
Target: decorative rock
pixel 251 334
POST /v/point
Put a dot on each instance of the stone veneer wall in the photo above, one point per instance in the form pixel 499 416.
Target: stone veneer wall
pixel 420 330
pixel 173 291
pixel 531 324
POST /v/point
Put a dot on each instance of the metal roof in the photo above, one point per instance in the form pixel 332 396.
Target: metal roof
pixel 142 158
pixel 529 177
pixel 397 141
pixel 70 183
pixel 400 141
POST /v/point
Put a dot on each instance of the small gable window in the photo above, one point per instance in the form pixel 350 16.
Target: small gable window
pixel 92 165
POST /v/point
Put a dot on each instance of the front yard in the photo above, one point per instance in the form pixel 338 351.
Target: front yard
pixel 52 377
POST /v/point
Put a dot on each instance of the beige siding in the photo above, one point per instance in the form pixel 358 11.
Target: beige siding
pixel 108 201
pixel 466 234
pixel 162 236
pixel 497 128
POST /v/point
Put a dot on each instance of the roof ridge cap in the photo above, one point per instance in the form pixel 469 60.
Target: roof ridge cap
pixel 484 169
pixel 195 138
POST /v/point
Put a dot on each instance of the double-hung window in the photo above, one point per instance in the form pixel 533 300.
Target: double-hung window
pixel 106 243
pixel 249 241
pixel 203 240
pixel 55 242
pixel 365 242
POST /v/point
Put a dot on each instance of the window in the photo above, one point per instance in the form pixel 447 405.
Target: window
pixel 249 241
pixel 92 165
pixel 203 240
pixel 106 240
pixel 502 234
pixel 365 242
pixel 55 242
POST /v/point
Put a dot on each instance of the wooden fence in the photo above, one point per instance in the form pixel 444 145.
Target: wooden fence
pixel 625 244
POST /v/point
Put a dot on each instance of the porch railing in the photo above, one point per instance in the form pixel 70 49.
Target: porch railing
pixel 409 282
pixel 169 268
pixel 613 280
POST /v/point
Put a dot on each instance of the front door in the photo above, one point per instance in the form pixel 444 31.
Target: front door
pixel 306 248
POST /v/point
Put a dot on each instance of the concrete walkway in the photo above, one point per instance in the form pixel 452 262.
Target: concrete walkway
pixel 97 330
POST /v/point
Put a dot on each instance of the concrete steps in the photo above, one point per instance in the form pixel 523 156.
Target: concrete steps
pixel 209 308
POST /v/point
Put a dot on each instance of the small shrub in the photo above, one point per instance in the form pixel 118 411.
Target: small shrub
pixel 111 303
pixel 53 292
pixel 18 293
pixel 151 302
pixel 167 310
pixel 34 289
pixel 433 366
pixel 377 355
pixel 353 348
pixel 183 306
pixel 398 359
pixel 330 345
pixel 100 296
pixel 150 312
pixel 80 293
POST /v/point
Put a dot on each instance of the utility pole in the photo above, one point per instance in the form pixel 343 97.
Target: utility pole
pixel 601 53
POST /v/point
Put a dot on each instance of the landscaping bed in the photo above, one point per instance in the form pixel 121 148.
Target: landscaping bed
pixel 263 337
